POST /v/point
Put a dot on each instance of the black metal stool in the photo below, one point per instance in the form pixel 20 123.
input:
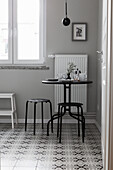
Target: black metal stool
pixel 35 101
pixel 77 116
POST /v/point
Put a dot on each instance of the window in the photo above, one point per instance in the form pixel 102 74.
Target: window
pixel 22 31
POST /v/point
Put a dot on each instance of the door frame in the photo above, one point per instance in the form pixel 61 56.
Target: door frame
pixel 108 150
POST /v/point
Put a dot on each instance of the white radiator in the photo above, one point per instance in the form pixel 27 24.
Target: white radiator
pixel 78 92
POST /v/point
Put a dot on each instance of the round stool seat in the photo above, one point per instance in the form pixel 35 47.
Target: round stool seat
pixel 70 104
pixel 38 100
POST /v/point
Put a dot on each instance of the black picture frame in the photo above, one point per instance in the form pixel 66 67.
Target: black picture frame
pixel 79 31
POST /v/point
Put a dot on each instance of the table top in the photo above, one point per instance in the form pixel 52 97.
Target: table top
pixel 67 82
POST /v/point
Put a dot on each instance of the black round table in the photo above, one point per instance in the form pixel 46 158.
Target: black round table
pixel 67 85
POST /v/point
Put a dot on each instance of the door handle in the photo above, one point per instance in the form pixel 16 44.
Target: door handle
pixel 100 52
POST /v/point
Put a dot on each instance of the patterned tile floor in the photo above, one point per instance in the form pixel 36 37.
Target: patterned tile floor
pixel 22 150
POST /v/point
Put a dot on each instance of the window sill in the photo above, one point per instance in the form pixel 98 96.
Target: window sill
pixel 14 67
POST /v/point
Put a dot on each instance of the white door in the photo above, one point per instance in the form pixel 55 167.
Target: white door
pixel 104 55
pixel 104 58
pixel 101 77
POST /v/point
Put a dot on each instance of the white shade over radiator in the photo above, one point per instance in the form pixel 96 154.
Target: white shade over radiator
pixel 78 92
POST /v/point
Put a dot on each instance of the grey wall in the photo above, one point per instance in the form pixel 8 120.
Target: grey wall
pixel 27 83
pixel 59 38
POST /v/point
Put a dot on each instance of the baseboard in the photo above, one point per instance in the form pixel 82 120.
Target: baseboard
pixel 46 120
pixel 90 118
pixel 98 126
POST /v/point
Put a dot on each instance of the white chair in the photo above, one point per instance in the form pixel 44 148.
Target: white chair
pixel 12 111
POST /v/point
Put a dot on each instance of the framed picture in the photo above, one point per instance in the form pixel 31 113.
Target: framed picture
pixel 79 31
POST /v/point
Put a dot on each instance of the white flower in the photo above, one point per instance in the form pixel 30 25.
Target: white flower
pixel 71 67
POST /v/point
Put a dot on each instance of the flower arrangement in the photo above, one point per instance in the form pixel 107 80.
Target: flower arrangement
pixel 71 67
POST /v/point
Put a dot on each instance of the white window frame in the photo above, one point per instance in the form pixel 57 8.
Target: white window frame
pixel 12 36
pixel 9 61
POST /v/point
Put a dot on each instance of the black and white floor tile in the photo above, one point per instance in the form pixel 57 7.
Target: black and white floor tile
pixel 22 150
